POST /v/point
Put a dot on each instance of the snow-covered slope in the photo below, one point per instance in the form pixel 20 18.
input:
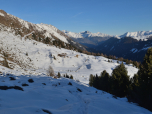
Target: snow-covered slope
pixel 85 34
pixel 46 95
pixel 31 55
pixel 50 30
pixel 140 35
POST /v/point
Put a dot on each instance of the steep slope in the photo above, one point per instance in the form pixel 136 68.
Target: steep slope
pixel 40 32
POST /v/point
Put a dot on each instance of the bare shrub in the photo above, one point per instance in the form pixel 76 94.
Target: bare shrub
pixel 50 71
pixel 5 63
pixel 62 55
pixel 77 56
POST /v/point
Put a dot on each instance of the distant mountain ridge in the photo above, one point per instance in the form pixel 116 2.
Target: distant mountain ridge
pixel 131 45
pixel 85 34
pixel 87 38
pixel 140 35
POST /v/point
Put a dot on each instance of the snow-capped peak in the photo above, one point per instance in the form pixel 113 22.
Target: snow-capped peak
pixel 16 23
pixel 140 35
pixel 1 13
pixel 85 32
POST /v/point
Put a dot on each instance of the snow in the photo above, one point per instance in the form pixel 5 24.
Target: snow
pixel 145 48
pixel 57 97
pixel 140 35
pixel 134 50
pixel 51 29
pixel 1 14
pixel 112 48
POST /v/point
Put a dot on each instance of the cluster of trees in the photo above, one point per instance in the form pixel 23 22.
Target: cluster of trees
pixel 137 89
pixel 116 84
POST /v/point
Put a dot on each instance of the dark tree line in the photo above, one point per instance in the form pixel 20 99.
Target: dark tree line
pixel 137 89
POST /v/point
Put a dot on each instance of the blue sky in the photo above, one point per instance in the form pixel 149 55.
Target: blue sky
pixel 114 17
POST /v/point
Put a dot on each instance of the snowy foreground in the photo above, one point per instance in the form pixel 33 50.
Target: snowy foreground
pixel 47 95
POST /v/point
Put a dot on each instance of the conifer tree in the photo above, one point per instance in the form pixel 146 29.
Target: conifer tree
pixel 91 80
pixel 47 40
pixel 145 81
pixel 104 81
pixel 71 77
pixel 120 81
pixel 59 75
pixel 96 82
pixel 67 76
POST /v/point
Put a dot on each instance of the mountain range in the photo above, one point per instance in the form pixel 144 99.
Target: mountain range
pixel 87 38
pixel 131 45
